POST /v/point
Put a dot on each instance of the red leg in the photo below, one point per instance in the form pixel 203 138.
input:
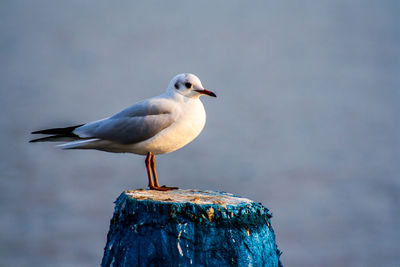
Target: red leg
pixel 147 162
pixel 151 163
pixel 153 169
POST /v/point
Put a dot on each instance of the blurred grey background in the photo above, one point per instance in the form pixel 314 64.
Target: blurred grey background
pixel 306 120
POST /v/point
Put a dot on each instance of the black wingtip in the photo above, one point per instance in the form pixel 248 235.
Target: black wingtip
pixel 56 138
pixel 58 131
pixel 36 140
pixel 56 134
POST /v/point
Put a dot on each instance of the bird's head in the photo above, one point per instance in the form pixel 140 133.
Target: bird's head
pixel 188 85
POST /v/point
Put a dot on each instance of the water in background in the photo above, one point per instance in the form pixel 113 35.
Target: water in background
pixel 306 120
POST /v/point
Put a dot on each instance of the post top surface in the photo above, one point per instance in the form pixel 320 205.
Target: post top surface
pixel 195 196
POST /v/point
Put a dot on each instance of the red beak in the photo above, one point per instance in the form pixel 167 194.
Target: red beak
pixel 206 92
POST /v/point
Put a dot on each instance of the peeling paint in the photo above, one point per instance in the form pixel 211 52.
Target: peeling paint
pixel 147 224
pixel 210 213
pixel 247 231
pixel 179 248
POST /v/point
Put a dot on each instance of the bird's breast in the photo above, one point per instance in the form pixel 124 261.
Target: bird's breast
pixel 190 121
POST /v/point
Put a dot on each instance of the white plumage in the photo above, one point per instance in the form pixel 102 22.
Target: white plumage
pixel 153 126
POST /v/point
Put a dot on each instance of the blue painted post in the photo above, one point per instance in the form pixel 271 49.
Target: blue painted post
pixel 189 228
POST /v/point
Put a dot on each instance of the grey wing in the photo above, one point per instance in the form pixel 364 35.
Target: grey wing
pixel 153 106
pixel 132 125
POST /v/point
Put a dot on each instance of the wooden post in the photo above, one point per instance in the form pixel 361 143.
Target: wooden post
pixel 189 228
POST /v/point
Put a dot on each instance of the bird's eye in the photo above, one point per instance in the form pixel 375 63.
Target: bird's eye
pixel 188 85
pixel 176 85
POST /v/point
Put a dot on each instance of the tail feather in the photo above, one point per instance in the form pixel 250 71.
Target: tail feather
pixel 57 134
pixel 79 144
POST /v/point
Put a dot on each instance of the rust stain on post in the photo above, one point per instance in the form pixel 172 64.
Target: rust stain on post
pixel 210 213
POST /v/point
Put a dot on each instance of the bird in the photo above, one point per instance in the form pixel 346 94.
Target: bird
pixel 154 126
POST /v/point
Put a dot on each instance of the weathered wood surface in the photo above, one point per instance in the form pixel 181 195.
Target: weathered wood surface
pixel 189 228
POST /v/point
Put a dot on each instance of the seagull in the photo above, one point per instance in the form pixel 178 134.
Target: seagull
pixel 157 125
